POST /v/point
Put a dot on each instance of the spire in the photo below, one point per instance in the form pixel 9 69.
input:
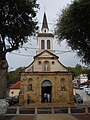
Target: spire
pixel 44 24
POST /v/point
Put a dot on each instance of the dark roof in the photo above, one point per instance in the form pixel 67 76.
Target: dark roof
pixel 44 24
pixel 45 35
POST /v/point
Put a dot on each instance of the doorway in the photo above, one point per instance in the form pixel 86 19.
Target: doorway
pixel 46 91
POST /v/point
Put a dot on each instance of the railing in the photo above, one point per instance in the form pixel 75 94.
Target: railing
pixel 48 110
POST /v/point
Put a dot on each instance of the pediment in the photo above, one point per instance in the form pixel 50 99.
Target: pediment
pixel 43 57
pixel 46 54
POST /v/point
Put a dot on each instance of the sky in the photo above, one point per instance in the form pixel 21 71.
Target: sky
pixel 24 57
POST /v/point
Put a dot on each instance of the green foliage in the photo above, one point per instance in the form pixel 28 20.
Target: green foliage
pixel 78 69
pixel 17 22
pixel 88 73
pixel 74 26
pixel 14 76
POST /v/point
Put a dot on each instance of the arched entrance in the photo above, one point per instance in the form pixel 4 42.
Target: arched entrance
pixel 46 91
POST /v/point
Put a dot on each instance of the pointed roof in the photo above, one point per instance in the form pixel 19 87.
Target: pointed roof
pixel 47 52
pixel 44 24
pixel 46 55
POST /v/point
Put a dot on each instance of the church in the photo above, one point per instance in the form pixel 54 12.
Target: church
pixel 46 79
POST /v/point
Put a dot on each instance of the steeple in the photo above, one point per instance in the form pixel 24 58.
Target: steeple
pixel 45 39
pixel 44 24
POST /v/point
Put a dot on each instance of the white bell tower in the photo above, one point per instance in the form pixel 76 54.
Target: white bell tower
pixel 45 39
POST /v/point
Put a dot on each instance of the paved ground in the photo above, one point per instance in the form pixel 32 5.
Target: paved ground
pixel 83 95
pixel 27 117
pixel 82 116
pixel 6 117
pixel 48 117
pixel 56 117
pixel 41 117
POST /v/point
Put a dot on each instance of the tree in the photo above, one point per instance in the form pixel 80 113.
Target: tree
pixel 74 25
pixel 17 23
pixel 14 76
pixel 78 69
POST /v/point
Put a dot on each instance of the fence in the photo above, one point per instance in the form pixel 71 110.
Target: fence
pixel 47 110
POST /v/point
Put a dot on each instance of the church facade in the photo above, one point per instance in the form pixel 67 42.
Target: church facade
pixel 46 79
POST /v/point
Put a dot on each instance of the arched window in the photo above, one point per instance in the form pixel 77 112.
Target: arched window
pixel 46 83
pixel 30 82
pixel 63 84
pixel 42 44
pixel 48 44
pixel 30 87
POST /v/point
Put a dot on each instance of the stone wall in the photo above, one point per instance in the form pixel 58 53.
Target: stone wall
pixel 59 95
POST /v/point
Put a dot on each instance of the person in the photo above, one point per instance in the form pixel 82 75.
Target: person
pixel 45 97
pixel 48 97
pixel 28 100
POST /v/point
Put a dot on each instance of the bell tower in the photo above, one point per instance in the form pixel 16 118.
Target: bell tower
pixel 45 39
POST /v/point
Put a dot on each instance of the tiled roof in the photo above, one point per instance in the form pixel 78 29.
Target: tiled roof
pixel 16 85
